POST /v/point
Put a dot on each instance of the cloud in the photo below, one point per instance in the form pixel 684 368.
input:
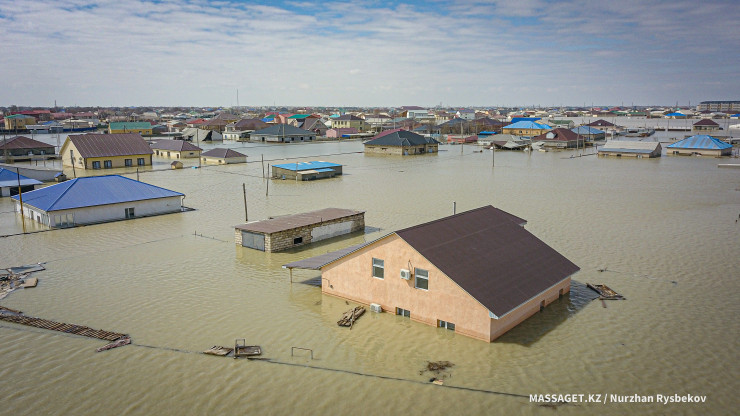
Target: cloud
pixel 198 52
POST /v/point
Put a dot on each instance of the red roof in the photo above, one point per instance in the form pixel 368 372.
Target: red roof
pixel 23 142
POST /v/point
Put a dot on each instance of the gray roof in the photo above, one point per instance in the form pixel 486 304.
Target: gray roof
pixel 348 117
pixel 283 130
pixel 119 144
pixel 625 146
pixel 289 222
pixel 175 145
pixel 220 152
pixel 400 138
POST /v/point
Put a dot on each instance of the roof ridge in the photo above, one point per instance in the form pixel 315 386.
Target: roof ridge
pixel 444 218
pixel 73 182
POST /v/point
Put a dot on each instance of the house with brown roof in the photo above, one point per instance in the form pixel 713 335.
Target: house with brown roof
pixel 560 138
pixel 219 156
pixel 22 148
pixel 478 273
pixel 176 149
pixel 705 125
pixel 106 151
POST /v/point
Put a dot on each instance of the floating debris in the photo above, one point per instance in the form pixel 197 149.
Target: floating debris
pixel 605 293
pixel 218 350
pixel 437 366
pixel 14 278
pixel 115 344
pixel 349 317
pixel 241 349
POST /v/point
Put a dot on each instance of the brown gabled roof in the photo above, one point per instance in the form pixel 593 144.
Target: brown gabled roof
pixel 557 135
pixel 289 222
pixel 601 123
pixel 221 152
pixel 250 124
pixel 706 122
pixel 118 144
pixel 174 145
pixel 23 142
pixel 491 256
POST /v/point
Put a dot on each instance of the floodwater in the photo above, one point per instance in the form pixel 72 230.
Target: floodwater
pixel 665 230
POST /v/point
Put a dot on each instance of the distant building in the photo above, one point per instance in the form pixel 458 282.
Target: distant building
pixel 726 106
pixel 282 233
pixel 283 133
pixel 95 199
pixel 478 273
pixel 106 151
pixel 306 171
pixel 589 133
pixel 701 145
pixel 340 132
pixel 560 138
pixel 142 127
pixel 177 149
pixel 349 121
pixel 18 121
pixel 623 148
pixel 220 156
pixel 200 135
pixel 705 125
pixel 401 142
pixel 526 128
pixel 22 148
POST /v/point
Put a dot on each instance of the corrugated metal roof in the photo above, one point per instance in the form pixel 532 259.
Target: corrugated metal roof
pixel 8 178
pixel 527 125
pixel 119 144
pixel 706 122
pixel 128 125
pixel 586 130
pixel 701 141
pixel 23 142
pixel 93 191
pixel 306 165
pixel 399 138
pixel 518 119
pixel 288 222
pixel 601 123
pixel 559 134
pixel 629 146
pixel 175 145
pixel 220 152
pixel 283 130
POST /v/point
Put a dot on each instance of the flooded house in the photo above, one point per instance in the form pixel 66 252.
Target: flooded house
pixel 306 171
pixel 700 145
pixel 624 148
pixel 10 181
pixel 96 199
pixel 284 232
pixel 590 133
pixel 526 128
pixel 401 142
pixel 177 149
pixel 142 127
pixel 705 125
pixel 220 156
pixel 560 138
pixel 21 148
pixel 478 273
pixel 283 133
pixel 96 151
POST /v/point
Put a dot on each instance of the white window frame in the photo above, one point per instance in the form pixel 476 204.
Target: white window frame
pixel 446 325
pixel 381 267
pixel 403 312
pixel 417 272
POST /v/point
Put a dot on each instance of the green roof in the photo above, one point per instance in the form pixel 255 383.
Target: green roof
pixel 18 116
pixel 130 125
pixel 299 116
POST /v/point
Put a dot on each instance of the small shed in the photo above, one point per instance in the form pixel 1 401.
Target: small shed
pixel 700 144
pixel 282 233
pixel 9 181
pixel 624 148
pixel 178 149
pixel 306 171
pixel 219 156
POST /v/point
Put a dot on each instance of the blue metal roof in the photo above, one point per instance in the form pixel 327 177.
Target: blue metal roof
pixel 528 125
pixel 486 133
pixel 10 178
pixel 92 191
pixel 518 119
pixel 675 115
pixel 701 141
pixel 307 165
pixel 586 130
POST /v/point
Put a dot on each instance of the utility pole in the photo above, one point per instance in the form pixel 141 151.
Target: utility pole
pixel 267 187
pixel 246 213
pixel 72 158
pixel 263 166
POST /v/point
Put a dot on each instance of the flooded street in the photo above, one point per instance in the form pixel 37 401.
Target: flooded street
pixel 665 230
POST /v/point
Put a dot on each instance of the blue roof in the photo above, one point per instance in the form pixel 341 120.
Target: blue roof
pixel 486 133
pixel 675 115
pixel 528 125
pixel 92 191
pixel 10 178
pixel 518 119
pixel 307 165
pixel 586 130
pixel 701 141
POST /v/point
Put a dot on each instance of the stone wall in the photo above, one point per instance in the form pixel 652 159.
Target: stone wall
pixel 284 240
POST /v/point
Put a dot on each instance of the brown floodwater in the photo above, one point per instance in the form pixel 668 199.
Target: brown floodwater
pixel 665 230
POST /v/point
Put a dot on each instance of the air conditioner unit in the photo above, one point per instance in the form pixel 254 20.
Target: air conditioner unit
pixel 375 307
pixel 405 274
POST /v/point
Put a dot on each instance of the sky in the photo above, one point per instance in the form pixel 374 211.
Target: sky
pixel 368 53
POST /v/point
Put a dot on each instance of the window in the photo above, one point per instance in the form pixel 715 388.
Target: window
pixel 378 268
pixel 128 162
pixel 421 279
pixel 107 164
pixel 298 240
pixel 403 312
pixel 447 325
pixel 140 161
pixel 96 164
pixel 130 212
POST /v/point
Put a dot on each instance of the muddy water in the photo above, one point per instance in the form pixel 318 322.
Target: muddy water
pixel 665 230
